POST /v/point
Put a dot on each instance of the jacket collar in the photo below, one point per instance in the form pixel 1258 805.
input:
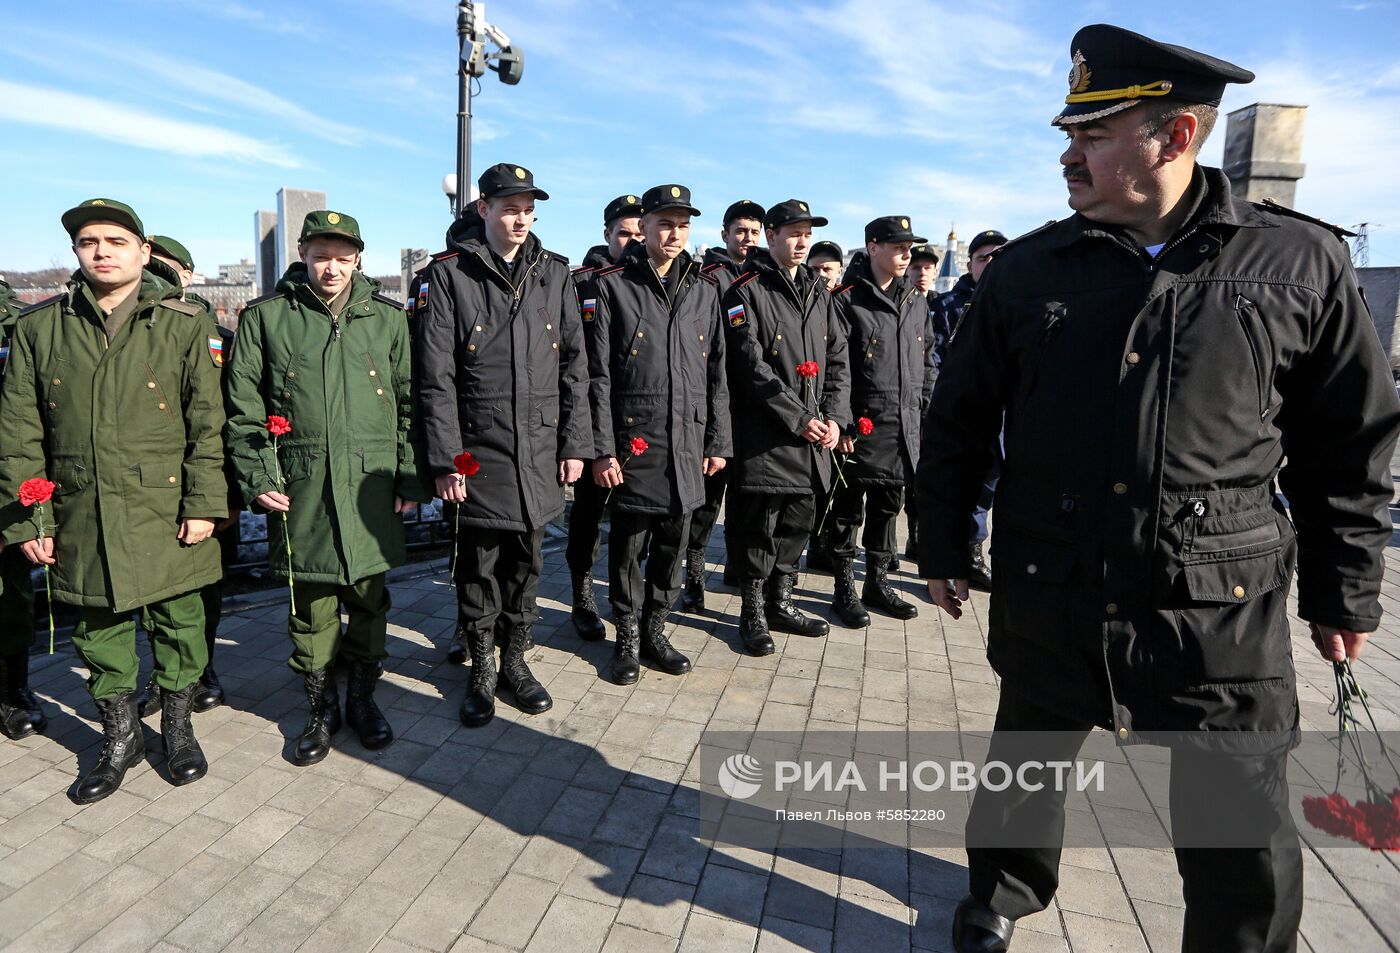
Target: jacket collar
pixel 296 285
pixel 153 290
pixel 859 272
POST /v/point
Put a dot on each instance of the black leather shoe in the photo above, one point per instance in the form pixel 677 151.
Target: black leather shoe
pixel 123 745
pixel 693 595
pixel 843 601
pixel 656 648
pixel 584 614
pixel 626 661
pixel 979 929
pixel 361 713
pixel 323 720
pixel 479 706
pixel 208 693
pixel 784 616
pixel 148 702
pixel 980 578
pixel 20 714
pixel 753 626
pixel 515 675
pixel 457 651
pixel 184 759
pixel 878 594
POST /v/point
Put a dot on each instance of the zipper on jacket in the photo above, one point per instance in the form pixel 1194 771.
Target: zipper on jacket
pixel 1243 308
pixel 1197 509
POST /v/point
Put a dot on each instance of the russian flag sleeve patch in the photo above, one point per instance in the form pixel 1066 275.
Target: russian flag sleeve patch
pixel 737 318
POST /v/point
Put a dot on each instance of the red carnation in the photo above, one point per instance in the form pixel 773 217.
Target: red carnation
pixel 865 426
pixel 466 464
pixel 807 369
pixel 36 491
pixel 637 446
pixel 277 426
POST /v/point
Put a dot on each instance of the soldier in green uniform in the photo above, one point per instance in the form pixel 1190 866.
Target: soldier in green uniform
pixel 210 694
pixel 20 714
pixel 112 392
pixel 331 355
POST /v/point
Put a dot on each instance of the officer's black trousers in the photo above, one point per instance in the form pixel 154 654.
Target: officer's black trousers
pixel 877 505
pixel 768 532
pixel 498 577
pixel 1237 898
pixel 660 541
pixel 702 521
pixel 585 526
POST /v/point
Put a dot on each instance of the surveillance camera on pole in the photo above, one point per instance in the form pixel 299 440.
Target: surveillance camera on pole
pixel 475 35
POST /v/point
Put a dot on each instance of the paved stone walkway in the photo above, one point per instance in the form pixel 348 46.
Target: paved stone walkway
pixel 571 831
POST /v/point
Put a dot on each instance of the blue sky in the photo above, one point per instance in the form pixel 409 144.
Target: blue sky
pixel 196 112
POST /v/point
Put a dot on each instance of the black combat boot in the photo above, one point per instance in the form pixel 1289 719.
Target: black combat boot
pixel 980 578
pixel 585 611
pixel 693 595
pixel 877 593
pixel 820 558
pixel 457 651
pixel 123 745
pixel 148 701
pixel 656 648
pixel 782 613
pixel 977 928
pixel 184 759
pixel 530 695
pixel 626 667
pixel 208 693
pixel 753 627
pixel 361 713
pixel 323 720
pixel 20 714
pixel 479 706
pixel 844 602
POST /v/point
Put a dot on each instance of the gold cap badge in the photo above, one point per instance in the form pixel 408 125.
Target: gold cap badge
pixel 519 173
pixel 333 218
pixel 631 200
pixel 1079 74
pixel 675 192
pixel 97 202
pixel 802 205
pixel 904 223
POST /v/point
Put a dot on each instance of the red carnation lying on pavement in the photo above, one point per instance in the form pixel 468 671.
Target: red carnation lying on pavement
pixel 466 464
pixel 807 369
pixel 865 426
pixel 36 491
pixel 637 446
pixel 277 426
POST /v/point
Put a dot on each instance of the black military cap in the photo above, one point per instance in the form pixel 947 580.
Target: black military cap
pixel 624 206
pixel 924 251
pixel 891 228
pixel 744 208
pixel 989 237
pixel 825 250
pixel 661 197
pixel 785 213
pixel 506 179
pixel 1114 69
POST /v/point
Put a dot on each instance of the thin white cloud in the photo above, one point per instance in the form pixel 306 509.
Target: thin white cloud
pixel 115 122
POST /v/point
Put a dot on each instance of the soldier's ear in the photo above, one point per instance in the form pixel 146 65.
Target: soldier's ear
pixel 145 253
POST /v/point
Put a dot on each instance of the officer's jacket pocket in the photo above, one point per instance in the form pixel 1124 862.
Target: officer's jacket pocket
pixel 70 476
pixel 1029 558
pixel 1235 580
pixel 160 474
pixel 381 462
pixel 476 417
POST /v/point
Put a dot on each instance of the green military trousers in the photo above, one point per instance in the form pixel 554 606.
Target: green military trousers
pixel 315 623
pixel 106 642
pixel 16 603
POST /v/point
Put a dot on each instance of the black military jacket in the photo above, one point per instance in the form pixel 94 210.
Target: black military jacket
pixel 656 366
pixel 892 373
pixel 772 326
pixel 500 370
pixel 1142 552
pixel 718 264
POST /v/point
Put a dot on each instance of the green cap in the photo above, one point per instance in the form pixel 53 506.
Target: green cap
pixel 102 210
pixel 329 224
pixel 167 247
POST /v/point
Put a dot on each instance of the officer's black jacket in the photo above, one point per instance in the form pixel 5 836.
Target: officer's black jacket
pixel 1142 554
pixel 772 326
pixel 500 370
pixel 656 369
pixel 892 372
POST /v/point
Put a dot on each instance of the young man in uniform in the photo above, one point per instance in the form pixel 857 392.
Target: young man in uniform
pixel 923 270
pixel 329 354
pixel 112 392
pixel 827 260
pixel 621 226
pixel 788 369
pixel 891 380
pixel 1144 555
pixel 743 226
pixel 656 370
pixel 501 372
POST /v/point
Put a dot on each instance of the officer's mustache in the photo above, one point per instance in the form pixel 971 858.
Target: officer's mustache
pixel 1077 173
